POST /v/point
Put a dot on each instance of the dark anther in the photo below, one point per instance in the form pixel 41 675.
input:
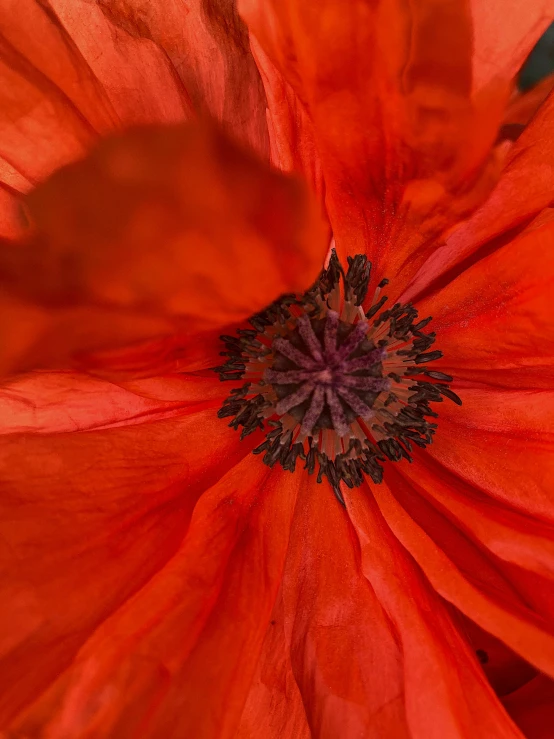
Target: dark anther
pixel 377 307
pixel 331 387
pixel 430 357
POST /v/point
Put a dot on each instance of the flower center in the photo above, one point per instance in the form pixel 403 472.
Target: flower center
pixel 338 387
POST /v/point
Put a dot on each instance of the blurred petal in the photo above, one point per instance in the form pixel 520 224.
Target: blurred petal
pixel 494 321
pixel 339 637
pixel 523 191
pixel 49 337
pixel 179 352
pixel 179 657
pixel 173 223
pixel 87 519
pixel 405 148
pixel 504 32
pixel 523 106
pixel 446 693
pixel 532 708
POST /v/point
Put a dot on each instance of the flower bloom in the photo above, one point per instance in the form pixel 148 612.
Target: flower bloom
pixel 160 580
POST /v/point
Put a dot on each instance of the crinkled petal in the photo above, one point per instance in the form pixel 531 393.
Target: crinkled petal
pixel 292 139
pixel 71 70
pixel 501 443
pixel 206 44
pixel 523 191
pixel 53 402
pixel 274 708
pixel 446 692
pixel 87 519
pixel 52 105
pixel 461 568
pixel 178 658
pixel 517 524
pixel 494 321
pixel 172 223
pixel 339 637
pixel 404 145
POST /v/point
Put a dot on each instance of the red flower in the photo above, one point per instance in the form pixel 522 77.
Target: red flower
pixel 159 580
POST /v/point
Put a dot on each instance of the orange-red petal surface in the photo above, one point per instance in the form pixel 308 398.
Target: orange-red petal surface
pixel 523 106
pixel 463 570
pixel 173 222
pixel 403 143
pixel 71 70
pixel 339 637
pixel 523 191
pixel 504 32
pixel 494 320
pixel 87 519
pixel 52 402
pixel 446 693
pixel 274 708
pixel 177 660
pixel 518 465
pixel 205 45
pixel 532 708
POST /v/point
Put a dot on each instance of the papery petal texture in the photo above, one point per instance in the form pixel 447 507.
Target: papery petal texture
pixel 493 319
pixel 404 143
pixel 521 196
pixel 178 658
pixel 447 694
pixel 74 70
pixel 87 519
pixel 338 634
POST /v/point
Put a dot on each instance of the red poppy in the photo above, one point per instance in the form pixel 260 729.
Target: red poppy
pixel 160 580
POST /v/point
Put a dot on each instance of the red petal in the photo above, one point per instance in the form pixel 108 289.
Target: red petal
pixel 179 352
pixel 523 191
pixel 532 708
pixel 403 144
pixel 178 658
pixel 87 519
pixel 172 223
pixel 463 571
pixel 80 68
pixel 494 320
pixel 508 454
pixel 339 637
pixel 446 693
pixel 504 32
pixel 274 708
pixel 52 402
pixel 292 137
pixel 204 44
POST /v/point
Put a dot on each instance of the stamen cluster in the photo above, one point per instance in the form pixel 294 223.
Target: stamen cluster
pixel 333 385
